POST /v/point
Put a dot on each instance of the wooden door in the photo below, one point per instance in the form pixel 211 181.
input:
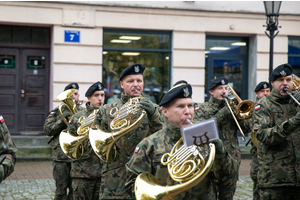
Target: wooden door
pixel 9 87
pixel 25 90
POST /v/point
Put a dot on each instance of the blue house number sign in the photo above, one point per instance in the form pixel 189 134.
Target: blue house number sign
pixel 72 36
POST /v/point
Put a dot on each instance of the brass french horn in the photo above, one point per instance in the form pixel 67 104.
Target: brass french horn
pixel 102 142
pixel 185 165
pixel 72 146
pixel 67 98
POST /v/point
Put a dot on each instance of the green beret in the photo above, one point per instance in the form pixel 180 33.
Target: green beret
pixel 98 86
pixel 181 90
pixel 217 81
pixel 262 85
pixel 132 70
pixel 281 71
pixel 72 86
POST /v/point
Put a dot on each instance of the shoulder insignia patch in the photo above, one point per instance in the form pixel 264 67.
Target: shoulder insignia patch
pixel 70 121
pixel 51 113
pixel 136 149
pixel 1 119
pixel 197 108
pixel 257 107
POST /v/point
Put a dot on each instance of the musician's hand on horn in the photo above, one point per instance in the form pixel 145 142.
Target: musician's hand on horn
pixel 220 150
pixel 148 106
pixel 293 123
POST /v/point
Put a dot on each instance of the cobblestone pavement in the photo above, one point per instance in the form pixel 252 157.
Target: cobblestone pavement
pixel 43 189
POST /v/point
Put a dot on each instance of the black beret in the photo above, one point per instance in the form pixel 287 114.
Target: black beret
pixel 72 86
pixel 262 85
pixel 281 71
pixel 217 81
pixel 98 86
pixel 179 82
pixel 132 70
pixel 178 91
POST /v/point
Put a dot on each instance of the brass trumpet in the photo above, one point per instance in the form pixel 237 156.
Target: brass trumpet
pixel 102 142
pixel 243 110
pixel 289 93
pixel 67 99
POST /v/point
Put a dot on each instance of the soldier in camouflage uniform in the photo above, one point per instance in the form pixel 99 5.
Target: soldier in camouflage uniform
pixel 114 173
pixel 53 126
pixel 262 89
pixel 85 172
pixel 276 125
pixel 177 107
pixel 227 130
pixel 8 151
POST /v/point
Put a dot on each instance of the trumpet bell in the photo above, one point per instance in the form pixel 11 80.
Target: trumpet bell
pixel 65 95
pixel 245 109
pixel 72 145
pixel 103 143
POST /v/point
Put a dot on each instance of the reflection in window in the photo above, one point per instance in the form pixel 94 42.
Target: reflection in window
pixel 150 49
pixel 294 54
pixel 225 57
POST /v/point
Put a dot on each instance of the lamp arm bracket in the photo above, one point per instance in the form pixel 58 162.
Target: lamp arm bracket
pixel 267 34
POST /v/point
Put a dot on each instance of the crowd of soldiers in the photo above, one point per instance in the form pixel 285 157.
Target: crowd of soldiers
pixel 273 124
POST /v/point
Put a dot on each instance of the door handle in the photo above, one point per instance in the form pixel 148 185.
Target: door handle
pixel 22 93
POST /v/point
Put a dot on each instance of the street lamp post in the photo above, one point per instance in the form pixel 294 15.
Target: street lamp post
pixel 272 12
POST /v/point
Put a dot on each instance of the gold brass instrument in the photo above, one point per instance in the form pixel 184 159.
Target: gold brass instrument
pixel 296 83
pixel 244 109
pixel 185 165
pixel 72 145
pixel 102 142
pixel 67 98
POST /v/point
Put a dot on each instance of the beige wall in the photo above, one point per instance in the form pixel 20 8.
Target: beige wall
pixel 82 62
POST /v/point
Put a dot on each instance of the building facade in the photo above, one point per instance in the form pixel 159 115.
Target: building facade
pixel 46 45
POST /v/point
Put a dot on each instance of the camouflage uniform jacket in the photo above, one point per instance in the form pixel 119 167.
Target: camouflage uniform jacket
pixel 114 173
pixel 226 125
pixel 147 158
pixel 7 148
pixel 53 126
pixel 88 166
pixel 278 152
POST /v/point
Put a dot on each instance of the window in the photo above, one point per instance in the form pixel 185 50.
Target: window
pixel 122 48
pixel 227 57
pixel 294 54
pixel 24 35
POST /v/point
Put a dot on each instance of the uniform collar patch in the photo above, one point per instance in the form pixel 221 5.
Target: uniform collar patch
pixel 1 119
pixel 197 108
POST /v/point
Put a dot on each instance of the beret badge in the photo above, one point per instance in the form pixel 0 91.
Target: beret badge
pixel 73 86
pixel 283 73
pixel 186 92
pixel 265 86
pixel 222 82
pixel 136 68
pixel 99 87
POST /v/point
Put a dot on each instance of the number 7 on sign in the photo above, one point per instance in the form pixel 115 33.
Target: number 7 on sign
pixel 72 36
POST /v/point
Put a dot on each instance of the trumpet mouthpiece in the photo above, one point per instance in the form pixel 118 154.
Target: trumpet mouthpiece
pixel 285 89
pixel 188 121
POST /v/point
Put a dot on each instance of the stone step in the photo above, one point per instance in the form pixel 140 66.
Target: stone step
pixel 33 147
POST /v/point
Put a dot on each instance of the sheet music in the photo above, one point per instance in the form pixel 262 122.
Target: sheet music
pixel 200 131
